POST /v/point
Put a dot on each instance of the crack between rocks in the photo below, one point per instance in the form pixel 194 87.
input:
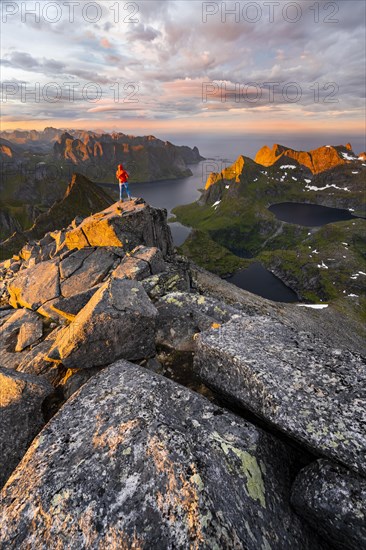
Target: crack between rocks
pixel 86 238
pixel 80 266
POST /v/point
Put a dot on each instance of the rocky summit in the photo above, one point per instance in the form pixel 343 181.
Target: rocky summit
pixel 146 403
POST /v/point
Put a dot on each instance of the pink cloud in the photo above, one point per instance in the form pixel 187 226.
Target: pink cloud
pixel 104 42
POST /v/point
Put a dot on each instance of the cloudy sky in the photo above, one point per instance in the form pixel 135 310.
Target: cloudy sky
pixel 178 66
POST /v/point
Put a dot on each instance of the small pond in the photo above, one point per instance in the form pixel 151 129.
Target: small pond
pixel 260 281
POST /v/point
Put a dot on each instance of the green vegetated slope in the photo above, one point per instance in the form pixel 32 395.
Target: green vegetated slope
pixel 233 226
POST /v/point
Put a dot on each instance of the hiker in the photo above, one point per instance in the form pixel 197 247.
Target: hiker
pixel 122 177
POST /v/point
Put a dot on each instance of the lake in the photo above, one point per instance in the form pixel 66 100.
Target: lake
pixel 309 215
pixel 258 280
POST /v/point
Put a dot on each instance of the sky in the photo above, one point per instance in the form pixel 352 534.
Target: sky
pixel 171 67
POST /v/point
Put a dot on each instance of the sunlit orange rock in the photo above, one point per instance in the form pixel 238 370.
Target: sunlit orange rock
pixel 127 226
pixel 230 173
pixel 317 160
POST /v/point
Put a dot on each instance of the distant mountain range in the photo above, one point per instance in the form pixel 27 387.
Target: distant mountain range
pixel 148 158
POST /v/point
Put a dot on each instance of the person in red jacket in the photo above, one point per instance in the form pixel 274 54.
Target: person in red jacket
pixel 122 175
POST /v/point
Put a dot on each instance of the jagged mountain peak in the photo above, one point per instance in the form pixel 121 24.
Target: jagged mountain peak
pixel 317 160
pixel 232 172
pixel 81 198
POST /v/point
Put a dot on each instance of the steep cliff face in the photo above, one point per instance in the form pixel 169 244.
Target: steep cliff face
pixel 317 160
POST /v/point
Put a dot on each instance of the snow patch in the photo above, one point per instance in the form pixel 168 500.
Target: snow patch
pixel 290 166
pixel 353 295
pixel 313 306
pixel 313 188
pixel 227 186
pixel 295 179
pixel 216 204
pixel 322 266
pixel 307 181
pixel 348 157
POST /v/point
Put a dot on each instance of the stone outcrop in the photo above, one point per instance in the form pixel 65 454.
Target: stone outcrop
pixel 293 381
pixel 333 500
pixel 134 224
pixel 35 286
pixel 78 274
pixel 134 460
pixel 182 315
pixel 232 172
pixel 117 322
pixel 21 417
pixel 142 263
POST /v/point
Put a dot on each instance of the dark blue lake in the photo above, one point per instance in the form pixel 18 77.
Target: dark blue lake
pixel 260 281
pixel 309 215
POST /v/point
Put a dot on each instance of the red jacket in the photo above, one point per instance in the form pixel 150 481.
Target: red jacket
pixel 121 174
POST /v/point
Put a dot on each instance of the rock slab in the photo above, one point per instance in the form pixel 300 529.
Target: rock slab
pixel 128 225
pixel 333 500
pixel 21 418
pixel 133 460
pixel 293 381
pixel 117 322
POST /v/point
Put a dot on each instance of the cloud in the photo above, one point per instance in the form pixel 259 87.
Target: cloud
pixel 142 32
pixel 170 52
pixel 105 43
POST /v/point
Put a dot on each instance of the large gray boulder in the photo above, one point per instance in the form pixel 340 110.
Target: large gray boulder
pixel 35 285
pixel 293 381
pixel 20 329
pixel 21 418
pixel 133 460
pixel 127 226
pixel 140 264
pixel 68 308
pixel 117 322
pixel 80 273
pixel 333 500
pixel 181 315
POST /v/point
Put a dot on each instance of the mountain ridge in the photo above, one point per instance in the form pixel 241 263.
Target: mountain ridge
pixel 317 160
pixel 81 198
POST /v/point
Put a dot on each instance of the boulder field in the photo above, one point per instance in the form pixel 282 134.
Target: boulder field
pixel 101 447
